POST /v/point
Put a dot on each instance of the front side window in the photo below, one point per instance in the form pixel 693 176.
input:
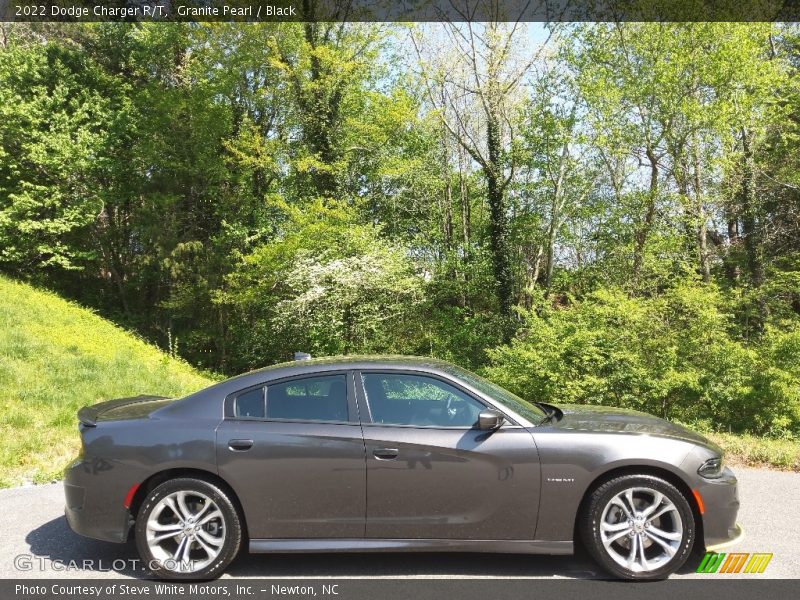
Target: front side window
pixel 322 398
pixel 402 399
pixel 528 410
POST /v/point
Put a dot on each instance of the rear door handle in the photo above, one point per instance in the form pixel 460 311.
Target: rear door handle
pixel 240 445
pixel 385 453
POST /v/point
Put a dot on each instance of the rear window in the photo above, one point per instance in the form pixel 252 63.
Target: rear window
pixel 322 398
pixel 250 404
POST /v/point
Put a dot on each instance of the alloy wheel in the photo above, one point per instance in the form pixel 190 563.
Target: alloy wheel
pixel 641 529
pixel 185 531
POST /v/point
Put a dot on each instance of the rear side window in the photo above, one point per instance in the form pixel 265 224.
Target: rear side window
pixel 322 398
pixel 250 404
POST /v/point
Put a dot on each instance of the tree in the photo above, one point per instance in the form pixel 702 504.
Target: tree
pixel 56 110
pixel 474 89
pixel 557 172
pixel 669 97
pixel 328 284
pixel 353 304
pixel 327 68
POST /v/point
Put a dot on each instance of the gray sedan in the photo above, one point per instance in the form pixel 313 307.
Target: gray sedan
pixel 392 454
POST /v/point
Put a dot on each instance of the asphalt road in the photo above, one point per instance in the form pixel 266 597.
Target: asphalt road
pixel 36 537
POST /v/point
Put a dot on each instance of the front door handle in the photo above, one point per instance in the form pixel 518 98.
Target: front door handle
pixel 240 445
pixel 385 453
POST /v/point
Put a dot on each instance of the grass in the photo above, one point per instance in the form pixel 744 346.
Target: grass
pixel 56 357
pixel 752 451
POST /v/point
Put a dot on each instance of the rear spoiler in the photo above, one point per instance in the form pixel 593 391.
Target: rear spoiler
pixel 88 415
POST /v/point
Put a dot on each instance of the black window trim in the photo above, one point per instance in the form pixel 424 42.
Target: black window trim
pixel 352 407
pixel 366 412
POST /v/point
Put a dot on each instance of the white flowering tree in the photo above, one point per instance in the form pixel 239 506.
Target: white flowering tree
pixel 366 302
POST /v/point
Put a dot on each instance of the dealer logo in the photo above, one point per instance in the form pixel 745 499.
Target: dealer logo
pixel 735 562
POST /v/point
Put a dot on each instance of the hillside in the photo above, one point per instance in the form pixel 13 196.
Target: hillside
pixel 55 357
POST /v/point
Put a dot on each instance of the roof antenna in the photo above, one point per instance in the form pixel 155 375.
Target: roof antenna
pixel 302 356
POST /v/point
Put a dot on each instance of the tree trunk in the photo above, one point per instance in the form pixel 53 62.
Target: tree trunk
pixel 466 216
pixel 751 232
pixel 702 244
pixel 498 227
pixel 465 223
pixel 322 110
pixel 750 229
pixel 702 225
pixel 447 224
pixel 222 358
pixel 533 269
pixel 647 224
pixel 732 251
pixel 555 216
pixel 107 235
pixel 447 205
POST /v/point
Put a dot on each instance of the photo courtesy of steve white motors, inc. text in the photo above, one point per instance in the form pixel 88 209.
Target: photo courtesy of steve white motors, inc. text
pixel 139 589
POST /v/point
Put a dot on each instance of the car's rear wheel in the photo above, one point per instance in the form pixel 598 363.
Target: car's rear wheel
pixel 638 527
pixel 187 528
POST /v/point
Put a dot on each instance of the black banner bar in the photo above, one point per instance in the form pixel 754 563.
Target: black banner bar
pixel 398 10
pixel 396 589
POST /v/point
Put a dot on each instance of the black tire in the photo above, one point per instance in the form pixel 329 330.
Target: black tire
pixel 590 520
pixel 229 522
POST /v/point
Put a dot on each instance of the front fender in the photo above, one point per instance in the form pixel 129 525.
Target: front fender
pixel 571 461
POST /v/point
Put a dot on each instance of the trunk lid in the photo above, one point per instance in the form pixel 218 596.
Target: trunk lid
pixel 121 409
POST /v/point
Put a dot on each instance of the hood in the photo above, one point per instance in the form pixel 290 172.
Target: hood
pixel 121 409
pixel 606 419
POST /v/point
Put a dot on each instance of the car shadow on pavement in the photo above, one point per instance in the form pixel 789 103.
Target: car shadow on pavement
pixel 420 564
pixel 58 552
pixel 416 564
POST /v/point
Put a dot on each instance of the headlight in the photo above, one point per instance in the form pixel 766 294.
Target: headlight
pixel 711 469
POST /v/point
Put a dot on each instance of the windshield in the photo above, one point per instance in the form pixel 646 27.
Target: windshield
pixel 530 411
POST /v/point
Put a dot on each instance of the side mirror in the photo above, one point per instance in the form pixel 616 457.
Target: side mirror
pixel 490 419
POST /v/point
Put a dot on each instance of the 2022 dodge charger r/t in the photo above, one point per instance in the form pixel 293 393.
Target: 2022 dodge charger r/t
pixel 392 454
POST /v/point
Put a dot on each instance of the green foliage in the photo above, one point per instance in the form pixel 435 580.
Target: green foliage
pixel 55 110
pixel 774 403
pixel 56 357
pixel 460 335
pixel 672 356
pixel 236 193
pixel 327 285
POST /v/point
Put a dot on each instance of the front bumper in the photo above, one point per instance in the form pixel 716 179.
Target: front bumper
pixel 738 537
pixel 94 495
pixel 721 501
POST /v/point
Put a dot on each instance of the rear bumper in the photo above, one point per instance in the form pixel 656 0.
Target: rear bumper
pixel 721 500
pixel 94 497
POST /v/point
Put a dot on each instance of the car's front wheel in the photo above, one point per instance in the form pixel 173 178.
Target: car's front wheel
pixel 638 527
pixel 187 528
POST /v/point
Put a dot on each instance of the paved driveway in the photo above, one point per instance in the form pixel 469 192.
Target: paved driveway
pixel 35 530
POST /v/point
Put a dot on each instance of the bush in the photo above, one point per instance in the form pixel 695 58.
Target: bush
pixel 773 405
pixel 672 355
